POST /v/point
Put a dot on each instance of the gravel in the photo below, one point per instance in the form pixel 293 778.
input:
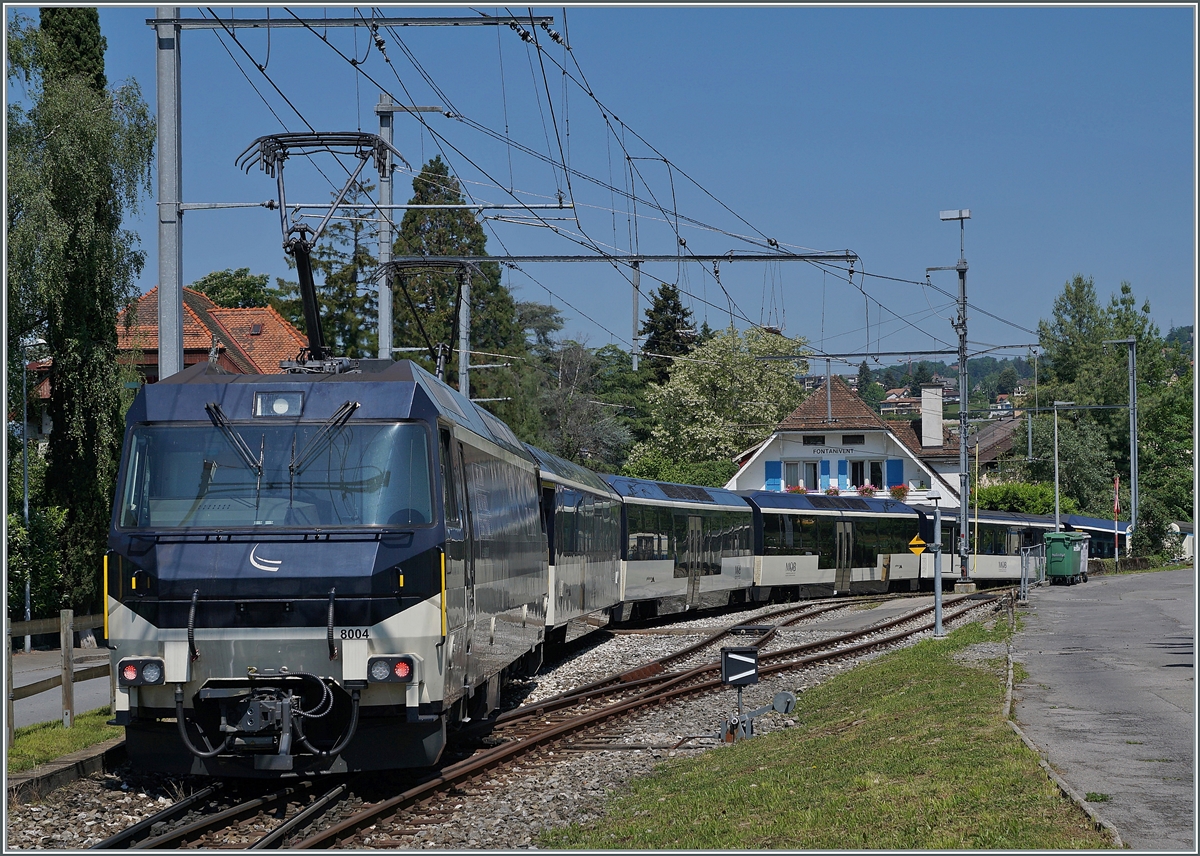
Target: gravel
pixel 561 787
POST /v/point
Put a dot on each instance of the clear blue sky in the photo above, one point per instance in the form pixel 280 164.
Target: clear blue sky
pixel 1069 133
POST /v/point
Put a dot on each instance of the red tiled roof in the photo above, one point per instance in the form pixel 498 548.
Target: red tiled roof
pixel 203 321
pixel 908 432
pixel 994 439
pixel 276 340
pixel 848 411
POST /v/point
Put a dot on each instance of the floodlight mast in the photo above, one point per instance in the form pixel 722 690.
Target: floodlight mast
pixel 961 215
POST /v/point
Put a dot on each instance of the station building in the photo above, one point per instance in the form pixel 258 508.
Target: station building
pixel 835 440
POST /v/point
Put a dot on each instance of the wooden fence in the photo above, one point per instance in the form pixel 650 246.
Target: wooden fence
pixel 65 625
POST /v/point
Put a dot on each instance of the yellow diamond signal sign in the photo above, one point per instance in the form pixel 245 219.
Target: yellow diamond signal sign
pixel 917 545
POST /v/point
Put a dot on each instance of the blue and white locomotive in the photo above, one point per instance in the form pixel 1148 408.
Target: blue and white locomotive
pixel 317 572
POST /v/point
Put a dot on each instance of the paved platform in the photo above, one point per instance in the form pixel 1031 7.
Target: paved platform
pixel 1110 698
pixel 47 706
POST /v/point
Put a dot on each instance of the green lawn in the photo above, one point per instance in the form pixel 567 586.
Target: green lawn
pixel 907 752
pixel 35 745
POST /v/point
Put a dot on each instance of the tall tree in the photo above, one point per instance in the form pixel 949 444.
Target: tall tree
pixel 669 331
pixel 426 300
pixel 578 426
pixel 236 289
pixel 923 374
pixel 1007 381
pixel 78 162
pixel 722 399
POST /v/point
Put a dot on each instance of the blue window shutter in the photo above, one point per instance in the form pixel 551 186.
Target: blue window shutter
pixel 895 472
pixel 824 473
pixel 843 474
pixel 774 475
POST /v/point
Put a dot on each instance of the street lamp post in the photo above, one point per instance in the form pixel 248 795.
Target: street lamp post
pixel 1057 517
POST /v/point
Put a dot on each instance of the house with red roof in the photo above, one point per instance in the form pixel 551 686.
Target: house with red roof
pixel 247 341
pixel 834 439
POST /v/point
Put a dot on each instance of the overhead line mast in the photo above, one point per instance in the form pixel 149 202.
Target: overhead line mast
pixel 167 26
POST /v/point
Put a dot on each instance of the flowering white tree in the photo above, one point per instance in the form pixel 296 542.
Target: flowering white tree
pixel 722 398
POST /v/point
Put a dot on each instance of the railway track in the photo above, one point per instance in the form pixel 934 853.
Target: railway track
pixel 253 816
pixel 426 802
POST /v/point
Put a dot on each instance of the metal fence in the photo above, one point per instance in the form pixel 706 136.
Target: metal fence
pixel 1033 568
pixel 65 625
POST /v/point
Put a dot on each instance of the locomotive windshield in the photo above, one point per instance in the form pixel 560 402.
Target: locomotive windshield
pixel 299 474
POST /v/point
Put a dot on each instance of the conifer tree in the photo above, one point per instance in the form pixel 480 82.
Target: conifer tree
pixel 668 331
pixel 425 301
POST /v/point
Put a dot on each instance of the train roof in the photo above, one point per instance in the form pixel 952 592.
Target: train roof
pixel 770 500
pixel 383 388
pixel 1011 518
pixel 1079 521
pixel 567 472
pixel 671 493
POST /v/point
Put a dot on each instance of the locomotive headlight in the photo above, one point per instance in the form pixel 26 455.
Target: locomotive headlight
pixel 140 672
pixel 152 673
pixel 396 670
pixel 278 403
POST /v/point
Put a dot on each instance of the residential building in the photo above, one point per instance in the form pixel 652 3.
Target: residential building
pixel 247 341
pixel 839 441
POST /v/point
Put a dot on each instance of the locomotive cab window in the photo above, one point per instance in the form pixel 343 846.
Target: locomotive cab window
pixel 295 475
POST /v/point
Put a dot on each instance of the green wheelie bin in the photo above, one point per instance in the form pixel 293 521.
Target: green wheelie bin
pixel 1065 557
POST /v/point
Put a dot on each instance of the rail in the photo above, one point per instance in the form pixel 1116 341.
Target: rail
pixel 66 624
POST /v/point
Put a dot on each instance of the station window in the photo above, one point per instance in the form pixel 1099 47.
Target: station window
pixel 854 439
pixel 814 439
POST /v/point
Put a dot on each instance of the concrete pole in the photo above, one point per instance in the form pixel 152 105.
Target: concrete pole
pixel 170 217
pixel 964 396
pixel 385 109
pixel 637 283
pixel 464 333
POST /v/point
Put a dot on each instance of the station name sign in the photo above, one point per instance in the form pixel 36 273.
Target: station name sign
pixel 820 451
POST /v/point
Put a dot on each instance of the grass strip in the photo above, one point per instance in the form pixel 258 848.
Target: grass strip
pixel 34 745
pixel 909 751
